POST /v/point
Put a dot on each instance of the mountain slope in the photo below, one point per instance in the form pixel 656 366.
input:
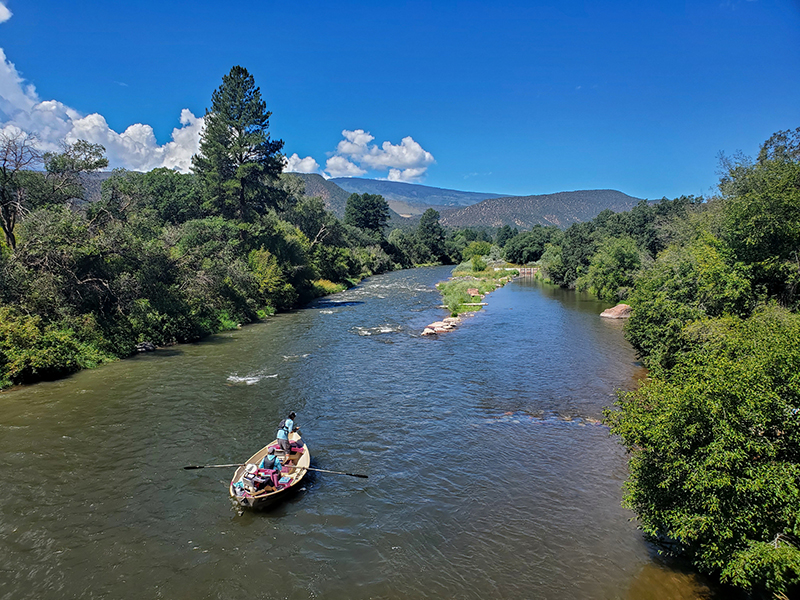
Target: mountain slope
pixel 561 209
pixel 335 197
pixel 410 198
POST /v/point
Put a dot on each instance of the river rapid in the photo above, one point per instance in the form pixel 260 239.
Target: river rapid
pixel 490 475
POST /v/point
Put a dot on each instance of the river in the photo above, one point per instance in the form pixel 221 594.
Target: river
pixel 489 473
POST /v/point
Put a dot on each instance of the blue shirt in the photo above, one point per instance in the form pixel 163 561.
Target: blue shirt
pixel 283 432
pixel 271 463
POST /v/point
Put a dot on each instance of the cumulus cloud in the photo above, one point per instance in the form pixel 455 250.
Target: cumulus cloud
pixel 355 155
pixel 295 164
pixel 52 122
pixel 339 166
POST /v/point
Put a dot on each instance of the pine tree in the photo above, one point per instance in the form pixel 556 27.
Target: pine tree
pixel 236 155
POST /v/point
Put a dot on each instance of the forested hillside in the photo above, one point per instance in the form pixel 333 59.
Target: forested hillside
pixel 410 198
pixel 561 209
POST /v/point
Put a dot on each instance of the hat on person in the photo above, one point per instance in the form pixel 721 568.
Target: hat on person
pixel 251 468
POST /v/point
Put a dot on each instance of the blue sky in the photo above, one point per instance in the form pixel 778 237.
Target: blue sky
pixel 506 97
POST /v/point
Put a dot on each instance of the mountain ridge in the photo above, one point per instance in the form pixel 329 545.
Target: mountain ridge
pixel 561 209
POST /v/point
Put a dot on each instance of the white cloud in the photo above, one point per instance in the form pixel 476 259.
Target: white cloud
pixel 354 155
pixel 406 175
pixel 339 166
pixel 52 122
pixel 5 14
pixel 295 164
pixel 355 143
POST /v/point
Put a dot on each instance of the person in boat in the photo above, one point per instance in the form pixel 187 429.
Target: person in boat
pixel 273 464
pixel 286 427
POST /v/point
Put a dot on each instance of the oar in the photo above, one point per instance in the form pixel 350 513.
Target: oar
pixel 334 472
pixel 292 466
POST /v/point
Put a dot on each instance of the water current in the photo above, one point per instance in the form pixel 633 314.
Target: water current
pixel 490 475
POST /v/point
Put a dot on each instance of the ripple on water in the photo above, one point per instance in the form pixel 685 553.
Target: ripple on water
pixel 489 474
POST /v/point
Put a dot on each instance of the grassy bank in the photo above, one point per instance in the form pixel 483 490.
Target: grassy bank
pixel 470 282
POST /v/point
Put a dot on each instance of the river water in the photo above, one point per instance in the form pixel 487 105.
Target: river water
pixel 489 474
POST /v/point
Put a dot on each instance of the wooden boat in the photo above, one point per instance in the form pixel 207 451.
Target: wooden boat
pixel 294 472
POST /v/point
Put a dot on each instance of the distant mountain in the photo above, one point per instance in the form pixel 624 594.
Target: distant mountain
pixel 335 197
pixel 561 209
pixel 410 199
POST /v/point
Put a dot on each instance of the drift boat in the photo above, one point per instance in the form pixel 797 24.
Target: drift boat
pixel 252 487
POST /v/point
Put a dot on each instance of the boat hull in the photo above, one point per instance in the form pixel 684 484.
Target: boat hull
pixel 298 470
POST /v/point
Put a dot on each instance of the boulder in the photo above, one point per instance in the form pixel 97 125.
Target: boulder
pixel 145 347
pixel 620 311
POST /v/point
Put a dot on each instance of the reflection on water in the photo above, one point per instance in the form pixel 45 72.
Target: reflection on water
pixel 490 475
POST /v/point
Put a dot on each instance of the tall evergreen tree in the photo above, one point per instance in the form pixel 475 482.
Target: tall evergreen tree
pixel 431 235
pixel 367 211
pixel 236 154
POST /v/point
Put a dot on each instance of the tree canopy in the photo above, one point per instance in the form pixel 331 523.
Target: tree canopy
pixel 369 212
pixel 236 154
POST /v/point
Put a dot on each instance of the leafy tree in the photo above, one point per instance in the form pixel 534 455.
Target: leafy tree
pixel 369 212
pixel 612 269
pixel 715 451
pixel 65 168
pixel 529 246
pixel 476 249
pixel 17 153
pixel 762 214
pixel 684 284
pixel 430 236
pixel 504 234
pixel 236 155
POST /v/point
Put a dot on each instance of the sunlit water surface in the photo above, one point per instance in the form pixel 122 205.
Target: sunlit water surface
pixel 489 473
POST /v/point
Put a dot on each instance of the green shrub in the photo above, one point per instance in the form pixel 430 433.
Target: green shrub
pixel 31 350
pixel 715 450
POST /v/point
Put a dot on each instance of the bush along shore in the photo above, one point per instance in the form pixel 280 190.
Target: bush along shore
pixel 464 293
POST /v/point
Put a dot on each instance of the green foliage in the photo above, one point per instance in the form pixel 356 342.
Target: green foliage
pixel 324 287
pixel 715 449
pixel 31 350
pixel 369 212
pixel 529 246
pixel 276 291
pixel 476 249
pixel 236 154
pixel 478 264
pixel 430 238
pixel 504 234
pixel 455 291
pixel 762 215
pixel 612 269
pixel 684 284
